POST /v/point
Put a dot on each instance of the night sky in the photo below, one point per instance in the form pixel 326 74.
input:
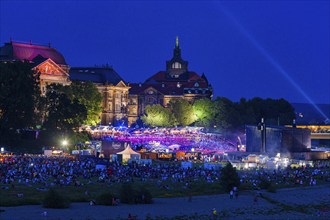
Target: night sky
pixel 271 49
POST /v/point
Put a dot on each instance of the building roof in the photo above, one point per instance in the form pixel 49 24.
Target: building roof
pixel 188 76
pixel 189 82
pixel 29 52
pixel 171 88
pixel 128 150
pixel 95 74
pixel 138 88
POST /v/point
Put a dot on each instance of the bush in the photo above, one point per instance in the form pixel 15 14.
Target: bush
pixel 229 177
pixel 55 200
pixel 105 198
pixel 271 188
pixel 267 185
pixel 130 196
pixel 264 184
pixel 143 196
pixel 127 194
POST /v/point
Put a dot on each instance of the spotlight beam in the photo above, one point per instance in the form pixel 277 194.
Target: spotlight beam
pixel 270 58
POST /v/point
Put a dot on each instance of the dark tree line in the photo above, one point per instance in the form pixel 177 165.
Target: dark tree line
pixel 220 114
pixel 63 108
pixel 19 97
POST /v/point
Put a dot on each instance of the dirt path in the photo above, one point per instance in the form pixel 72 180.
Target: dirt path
pixel 294 203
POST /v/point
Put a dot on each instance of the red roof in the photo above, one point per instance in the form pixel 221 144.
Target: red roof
pixel 169 86
pixel 25 51
pixel 162 76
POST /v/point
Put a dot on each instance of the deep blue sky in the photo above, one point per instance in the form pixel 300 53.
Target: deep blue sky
pixel 232 42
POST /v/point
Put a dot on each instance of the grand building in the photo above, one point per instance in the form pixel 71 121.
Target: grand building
pixel 122 102
pixel 113 88
pixel 44 59
pixel 176 82
pixel 53 69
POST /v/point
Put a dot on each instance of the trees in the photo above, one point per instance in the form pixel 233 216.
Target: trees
pixel 227 116
pixel 69 107
pixel 157 115
pixel 204 112
pixel 229 177
pixel 182 111
pixel 87 94
pixel 275 111
pixel 19 96
pixel 62 112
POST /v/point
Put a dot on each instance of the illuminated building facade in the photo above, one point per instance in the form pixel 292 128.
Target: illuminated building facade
pixel 113 88
pixel 44 59
pixel 177 82
pixel 122 102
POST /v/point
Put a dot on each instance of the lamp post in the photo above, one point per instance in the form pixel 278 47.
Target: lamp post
pixel 64 144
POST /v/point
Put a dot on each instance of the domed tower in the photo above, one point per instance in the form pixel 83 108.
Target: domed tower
pixel 176 66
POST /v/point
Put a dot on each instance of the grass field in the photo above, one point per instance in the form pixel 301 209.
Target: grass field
pixel 34 194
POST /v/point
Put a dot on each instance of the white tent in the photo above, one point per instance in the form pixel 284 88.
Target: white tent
pixel 128 153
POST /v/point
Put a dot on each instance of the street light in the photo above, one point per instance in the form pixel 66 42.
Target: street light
pixel 64 143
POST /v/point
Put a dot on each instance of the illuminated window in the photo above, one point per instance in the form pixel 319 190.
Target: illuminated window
pixel 196 84
pixel 176 65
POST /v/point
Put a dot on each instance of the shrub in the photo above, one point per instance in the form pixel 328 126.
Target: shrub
pixel 55 200
pixel 105 198
pixel 264 184
pixel 144 196
pixel 267 185
pixel 229 177
pixel 127 194
pixel 131 196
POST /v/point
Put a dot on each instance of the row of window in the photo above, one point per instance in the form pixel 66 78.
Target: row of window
pixel 196 91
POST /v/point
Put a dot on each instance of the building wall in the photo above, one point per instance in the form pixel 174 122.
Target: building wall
pixel 132 108
pixel 114 103
pixel 51 73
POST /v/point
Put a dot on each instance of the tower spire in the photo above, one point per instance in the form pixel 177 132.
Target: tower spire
pixel 177 41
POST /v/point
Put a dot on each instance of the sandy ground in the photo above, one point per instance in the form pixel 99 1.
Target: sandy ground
pixel 279 205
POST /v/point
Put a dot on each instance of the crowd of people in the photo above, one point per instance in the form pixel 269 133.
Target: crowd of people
pixel 287 177
pixel 78 171
pixel 64 171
